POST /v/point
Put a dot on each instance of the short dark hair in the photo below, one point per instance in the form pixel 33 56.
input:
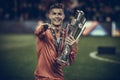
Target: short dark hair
pixel 57 5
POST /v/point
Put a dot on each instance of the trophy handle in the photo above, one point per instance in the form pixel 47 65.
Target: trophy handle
pixel 84 27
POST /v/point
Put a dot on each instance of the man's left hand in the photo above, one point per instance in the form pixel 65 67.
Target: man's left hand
pixel 71 41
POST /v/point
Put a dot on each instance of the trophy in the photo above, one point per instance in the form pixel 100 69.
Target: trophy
pixel 75 29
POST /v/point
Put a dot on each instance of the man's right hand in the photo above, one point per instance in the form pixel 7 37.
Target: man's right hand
pixel 44 25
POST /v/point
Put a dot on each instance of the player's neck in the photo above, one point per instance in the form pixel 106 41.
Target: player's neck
pixel 57 28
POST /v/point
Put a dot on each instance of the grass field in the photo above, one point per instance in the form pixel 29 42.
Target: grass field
pixel 18 59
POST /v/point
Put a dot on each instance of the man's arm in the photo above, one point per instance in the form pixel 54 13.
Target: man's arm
pixel 41 28
pixel 73 52
pixel 73 43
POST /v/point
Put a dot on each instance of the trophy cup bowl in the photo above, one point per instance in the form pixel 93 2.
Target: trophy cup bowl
pixel 75 29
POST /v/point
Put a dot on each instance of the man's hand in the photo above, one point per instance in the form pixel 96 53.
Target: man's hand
pixel 71 41
pixel 42 24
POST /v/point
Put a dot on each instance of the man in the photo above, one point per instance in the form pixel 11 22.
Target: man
pixel 48 35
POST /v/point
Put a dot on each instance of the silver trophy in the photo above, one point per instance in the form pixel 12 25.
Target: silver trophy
pixel 75 28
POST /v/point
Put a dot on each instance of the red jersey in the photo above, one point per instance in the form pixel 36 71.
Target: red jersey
pixel 47 67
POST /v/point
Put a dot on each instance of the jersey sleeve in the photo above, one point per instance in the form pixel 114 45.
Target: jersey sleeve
pixel 72 54
pixel 40 32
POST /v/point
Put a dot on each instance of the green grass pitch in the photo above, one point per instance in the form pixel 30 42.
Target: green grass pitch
pixel 18 59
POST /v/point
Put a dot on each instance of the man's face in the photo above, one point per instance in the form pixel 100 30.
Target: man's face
pixel 56 16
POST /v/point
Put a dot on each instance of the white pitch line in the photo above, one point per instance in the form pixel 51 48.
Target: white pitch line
pixel 94 55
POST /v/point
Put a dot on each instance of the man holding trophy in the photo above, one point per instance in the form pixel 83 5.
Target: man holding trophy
pixel 56 46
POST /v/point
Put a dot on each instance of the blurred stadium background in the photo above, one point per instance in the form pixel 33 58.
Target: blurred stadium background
pixel 18 19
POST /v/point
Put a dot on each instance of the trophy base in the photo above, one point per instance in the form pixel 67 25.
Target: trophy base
pixel 62 62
